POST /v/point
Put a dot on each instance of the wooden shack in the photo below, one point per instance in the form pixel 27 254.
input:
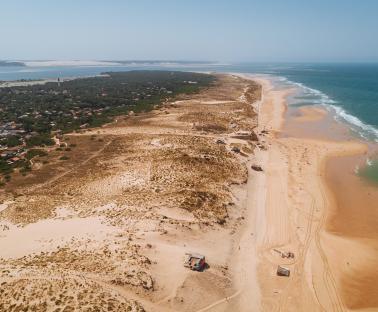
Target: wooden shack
pixel 281 271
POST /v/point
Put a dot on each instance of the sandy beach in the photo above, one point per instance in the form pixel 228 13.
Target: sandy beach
pixel 304 213
pixel 112 227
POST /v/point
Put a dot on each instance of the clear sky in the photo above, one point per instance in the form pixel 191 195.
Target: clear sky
pixel 219 30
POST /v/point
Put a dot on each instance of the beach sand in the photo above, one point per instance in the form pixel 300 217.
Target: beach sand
pixel 354 219
pixel 351 223
pixel 111 227
pixel 300 213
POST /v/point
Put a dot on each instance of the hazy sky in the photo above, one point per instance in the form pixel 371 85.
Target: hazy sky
pixel 234 30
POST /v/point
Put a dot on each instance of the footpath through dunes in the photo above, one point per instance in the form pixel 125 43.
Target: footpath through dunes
pixel 109 229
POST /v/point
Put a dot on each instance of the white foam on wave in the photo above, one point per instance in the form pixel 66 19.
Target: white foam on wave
pixel 366 131
pixel 323 98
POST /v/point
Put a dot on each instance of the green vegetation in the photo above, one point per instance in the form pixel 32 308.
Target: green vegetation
pixel 31 116
pixel 11 141
pixel 43 139
pixel 5 168
pixel 35 152
pixel 24 170
pixel 91 102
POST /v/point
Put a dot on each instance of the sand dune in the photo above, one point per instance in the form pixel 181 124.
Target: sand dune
pixel 116 220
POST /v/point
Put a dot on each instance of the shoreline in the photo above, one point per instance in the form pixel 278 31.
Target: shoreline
pixel 315 249
pixel 351 219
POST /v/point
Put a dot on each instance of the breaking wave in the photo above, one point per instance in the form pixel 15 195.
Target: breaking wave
pixel 364 130
pixel 317 97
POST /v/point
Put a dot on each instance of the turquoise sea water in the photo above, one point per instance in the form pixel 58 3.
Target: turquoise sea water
pixel 349 90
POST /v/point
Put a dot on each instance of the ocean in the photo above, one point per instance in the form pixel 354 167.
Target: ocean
pixel 350 91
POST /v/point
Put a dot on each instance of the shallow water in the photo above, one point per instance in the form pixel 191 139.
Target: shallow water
pixel 370 171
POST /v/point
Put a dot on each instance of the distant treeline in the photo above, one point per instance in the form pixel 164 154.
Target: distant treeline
pixel 91 102
pixel 8 63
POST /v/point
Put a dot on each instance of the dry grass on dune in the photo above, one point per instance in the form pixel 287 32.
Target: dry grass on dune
pixel 167 159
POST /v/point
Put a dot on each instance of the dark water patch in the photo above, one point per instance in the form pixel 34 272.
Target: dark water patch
pixel 370 171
